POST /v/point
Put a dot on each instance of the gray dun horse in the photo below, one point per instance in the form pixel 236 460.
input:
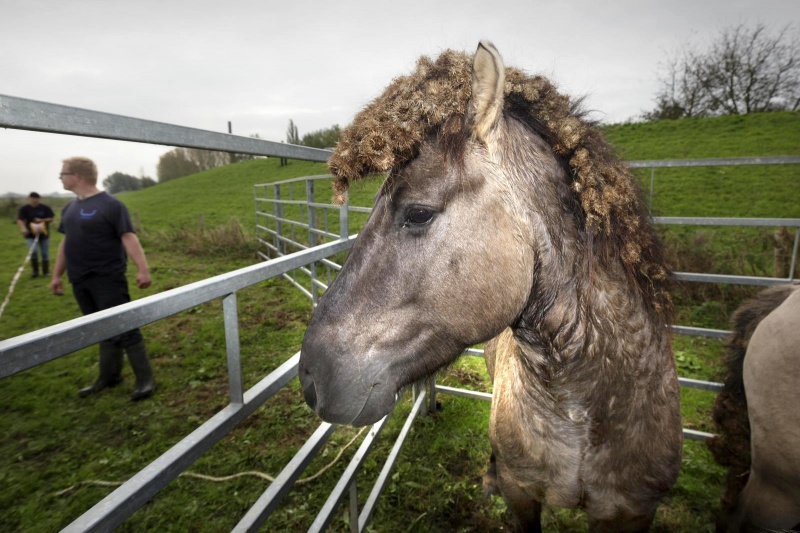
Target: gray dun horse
pixel 505 214
pixel 757 421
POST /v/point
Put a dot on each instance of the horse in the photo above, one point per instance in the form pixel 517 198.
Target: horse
pixel 505 215
pixel 758 426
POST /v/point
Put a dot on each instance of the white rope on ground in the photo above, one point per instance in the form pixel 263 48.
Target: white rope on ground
pixel 214 479
pixel 16 277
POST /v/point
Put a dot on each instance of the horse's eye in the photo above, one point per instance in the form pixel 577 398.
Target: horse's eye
pixel 417 216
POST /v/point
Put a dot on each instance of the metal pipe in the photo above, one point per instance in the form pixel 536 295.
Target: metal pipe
pixel 325 515
pixel 230 314
pixel 33 115
pixel 46 344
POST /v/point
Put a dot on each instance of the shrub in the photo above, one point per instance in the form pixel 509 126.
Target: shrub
pixel 231 240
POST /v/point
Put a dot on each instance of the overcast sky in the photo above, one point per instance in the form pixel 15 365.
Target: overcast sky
pixel 260 63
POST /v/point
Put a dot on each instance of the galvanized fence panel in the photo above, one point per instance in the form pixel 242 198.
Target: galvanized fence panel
pixel 312 224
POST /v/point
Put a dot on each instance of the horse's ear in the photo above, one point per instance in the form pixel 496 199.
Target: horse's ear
pixel 488 84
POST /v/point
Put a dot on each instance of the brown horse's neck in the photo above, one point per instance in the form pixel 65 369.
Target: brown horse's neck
pixel 586 317
pixel 581 308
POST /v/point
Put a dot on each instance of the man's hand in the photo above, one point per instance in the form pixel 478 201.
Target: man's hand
pixel 143 280
pixel 56 287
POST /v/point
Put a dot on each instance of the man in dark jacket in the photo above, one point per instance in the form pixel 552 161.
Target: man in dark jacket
pixel 98 239
pixel 34 220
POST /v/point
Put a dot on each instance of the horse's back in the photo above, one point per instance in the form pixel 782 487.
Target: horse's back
pixel 771 380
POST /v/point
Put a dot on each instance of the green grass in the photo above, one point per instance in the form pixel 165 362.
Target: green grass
pixel 51 440
pixel 217 194
pixel 757 135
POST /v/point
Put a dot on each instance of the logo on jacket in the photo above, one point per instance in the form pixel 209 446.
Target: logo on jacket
pixel 88 215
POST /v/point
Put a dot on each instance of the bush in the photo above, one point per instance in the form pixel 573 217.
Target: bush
pixel 231 240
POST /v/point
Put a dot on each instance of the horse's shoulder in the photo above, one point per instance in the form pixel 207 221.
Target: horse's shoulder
pixel 771 368
pixel 781 327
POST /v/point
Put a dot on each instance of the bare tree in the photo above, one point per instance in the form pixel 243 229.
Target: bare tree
pixel 292 136
pixel 742 71
pixel 324 138
pixel 184 161
pixel 175 164
pixel 207 159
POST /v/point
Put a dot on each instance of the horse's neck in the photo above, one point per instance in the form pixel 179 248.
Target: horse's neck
pixel 578 309
pixel 592 319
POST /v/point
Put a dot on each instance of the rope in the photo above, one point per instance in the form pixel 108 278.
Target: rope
pixel 214 479
pixel 16 277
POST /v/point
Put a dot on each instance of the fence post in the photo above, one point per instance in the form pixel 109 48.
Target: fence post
pixel 793 262
pixel 277 210
pixel 256 203
pixel 312 238
pixel 432 394
pixel 652 180
pixel 231 318
pixel 353 507
pixel 344 219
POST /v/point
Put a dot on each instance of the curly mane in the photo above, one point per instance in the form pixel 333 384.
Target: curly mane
pixel 389 132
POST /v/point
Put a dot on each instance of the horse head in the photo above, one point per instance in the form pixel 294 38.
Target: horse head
pixel 440 265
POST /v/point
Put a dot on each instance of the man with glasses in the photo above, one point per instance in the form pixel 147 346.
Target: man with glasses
pixel 98 239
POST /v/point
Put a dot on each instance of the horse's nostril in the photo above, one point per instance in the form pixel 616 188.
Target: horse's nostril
pixel 310 394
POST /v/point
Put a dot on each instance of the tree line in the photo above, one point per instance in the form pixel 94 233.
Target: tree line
pixel 181 162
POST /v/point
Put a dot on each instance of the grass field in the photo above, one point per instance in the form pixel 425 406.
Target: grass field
pixel 51 440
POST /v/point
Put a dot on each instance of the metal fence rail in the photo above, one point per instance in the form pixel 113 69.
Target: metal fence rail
pixel 313 225
pixel 24 114
pixel 32 349
pixel 714 162
pixel 39 347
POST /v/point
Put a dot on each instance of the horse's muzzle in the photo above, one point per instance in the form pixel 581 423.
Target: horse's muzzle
pixel 342 396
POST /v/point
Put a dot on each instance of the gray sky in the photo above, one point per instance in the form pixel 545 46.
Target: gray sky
pixel 261 63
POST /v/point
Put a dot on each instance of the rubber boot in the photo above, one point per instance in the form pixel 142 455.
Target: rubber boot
pixel 35 267
pixel 110 370
pixel 45 268
pixel 145 383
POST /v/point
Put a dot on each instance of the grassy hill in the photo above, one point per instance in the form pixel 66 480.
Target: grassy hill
pixel 218 194
pixel 717 191
pixel 756 135
pixel 51 440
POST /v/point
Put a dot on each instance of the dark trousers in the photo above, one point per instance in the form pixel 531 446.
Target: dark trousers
pixel 97 292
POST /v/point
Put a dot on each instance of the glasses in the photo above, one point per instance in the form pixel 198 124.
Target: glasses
pixel 66 174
